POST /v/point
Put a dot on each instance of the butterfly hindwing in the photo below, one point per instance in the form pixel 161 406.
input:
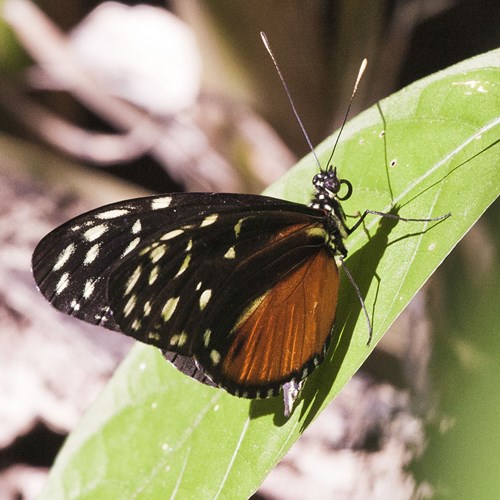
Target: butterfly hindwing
pixel 281 335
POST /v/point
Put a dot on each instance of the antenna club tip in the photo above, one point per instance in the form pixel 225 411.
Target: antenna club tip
pixel 364 64
pixel 264 38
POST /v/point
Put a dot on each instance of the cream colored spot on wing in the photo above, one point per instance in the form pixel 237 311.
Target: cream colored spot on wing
pixel 206 337
pixel 182 339
pixel 157 253
pixel 161 202
pixel 129 306
pixel 92 254
pixel 136 228
pixel 111 214
pixel 215 357
pixel 209 220
pixel 75 306
pixel 230 254
pixel 204 298
pixel 171 234
pixel 131 246
pixel 184 265
pixel 153 275
pixel 134 277
pixel 154 336
pixel 88 289
pixel 62 283
pixel 64 256
pixel 95 232
pixel 169 308
pixel 237 228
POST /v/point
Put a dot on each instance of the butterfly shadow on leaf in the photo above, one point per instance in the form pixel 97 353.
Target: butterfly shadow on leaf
pixel 363 265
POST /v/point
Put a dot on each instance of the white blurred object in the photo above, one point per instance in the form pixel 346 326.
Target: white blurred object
pixel 142 54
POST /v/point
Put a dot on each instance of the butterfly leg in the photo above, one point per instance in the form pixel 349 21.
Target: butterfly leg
pixel 291 392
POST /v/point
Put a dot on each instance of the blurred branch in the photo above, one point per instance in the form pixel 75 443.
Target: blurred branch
pixel 89 146
pixel 177 142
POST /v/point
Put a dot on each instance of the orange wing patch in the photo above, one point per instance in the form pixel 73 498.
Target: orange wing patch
pixel 288 327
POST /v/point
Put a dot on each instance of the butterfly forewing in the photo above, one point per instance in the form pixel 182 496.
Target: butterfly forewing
pixel 71 265
pixel 200 289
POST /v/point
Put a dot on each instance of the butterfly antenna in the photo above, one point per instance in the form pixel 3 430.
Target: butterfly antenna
pixel 354 90
pixel 285 86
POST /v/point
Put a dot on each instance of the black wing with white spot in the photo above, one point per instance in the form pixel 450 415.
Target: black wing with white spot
pixel 71 265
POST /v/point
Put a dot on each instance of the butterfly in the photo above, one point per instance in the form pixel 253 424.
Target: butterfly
pixel 238 291
pixel 244 285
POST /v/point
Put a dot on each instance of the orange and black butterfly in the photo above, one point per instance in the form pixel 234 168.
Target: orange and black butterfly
pixel 244 285
pixel 238 291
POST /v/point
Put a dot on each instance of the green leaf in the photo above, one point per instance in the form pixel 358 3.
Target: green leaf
pixel 155 433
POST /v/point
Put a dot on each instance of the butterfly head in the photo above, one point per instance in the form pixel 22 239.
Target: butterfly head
pixel 327 186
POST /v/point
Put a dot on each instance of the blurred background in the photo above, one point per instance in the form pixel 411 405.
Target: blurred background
pixel 101 101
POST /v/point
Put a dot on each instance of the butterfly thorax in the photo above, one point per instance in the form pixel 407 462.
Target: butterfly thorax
pixel 326 198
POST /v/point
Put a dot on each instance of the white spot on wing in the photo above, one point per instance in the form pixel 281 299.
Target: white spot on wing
pixel 62 283
pixel 171 234
pixel 161 202
pixel 147 308
pixel 64 256
pixel 75 306
pixel 157 253
pixel 136 228
pixel 92 254
pixel 95 232
pixel 131 246
pixel 111 214
pixel 153 275
pixel 204 298
pixel 88 289
pixel 209 220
